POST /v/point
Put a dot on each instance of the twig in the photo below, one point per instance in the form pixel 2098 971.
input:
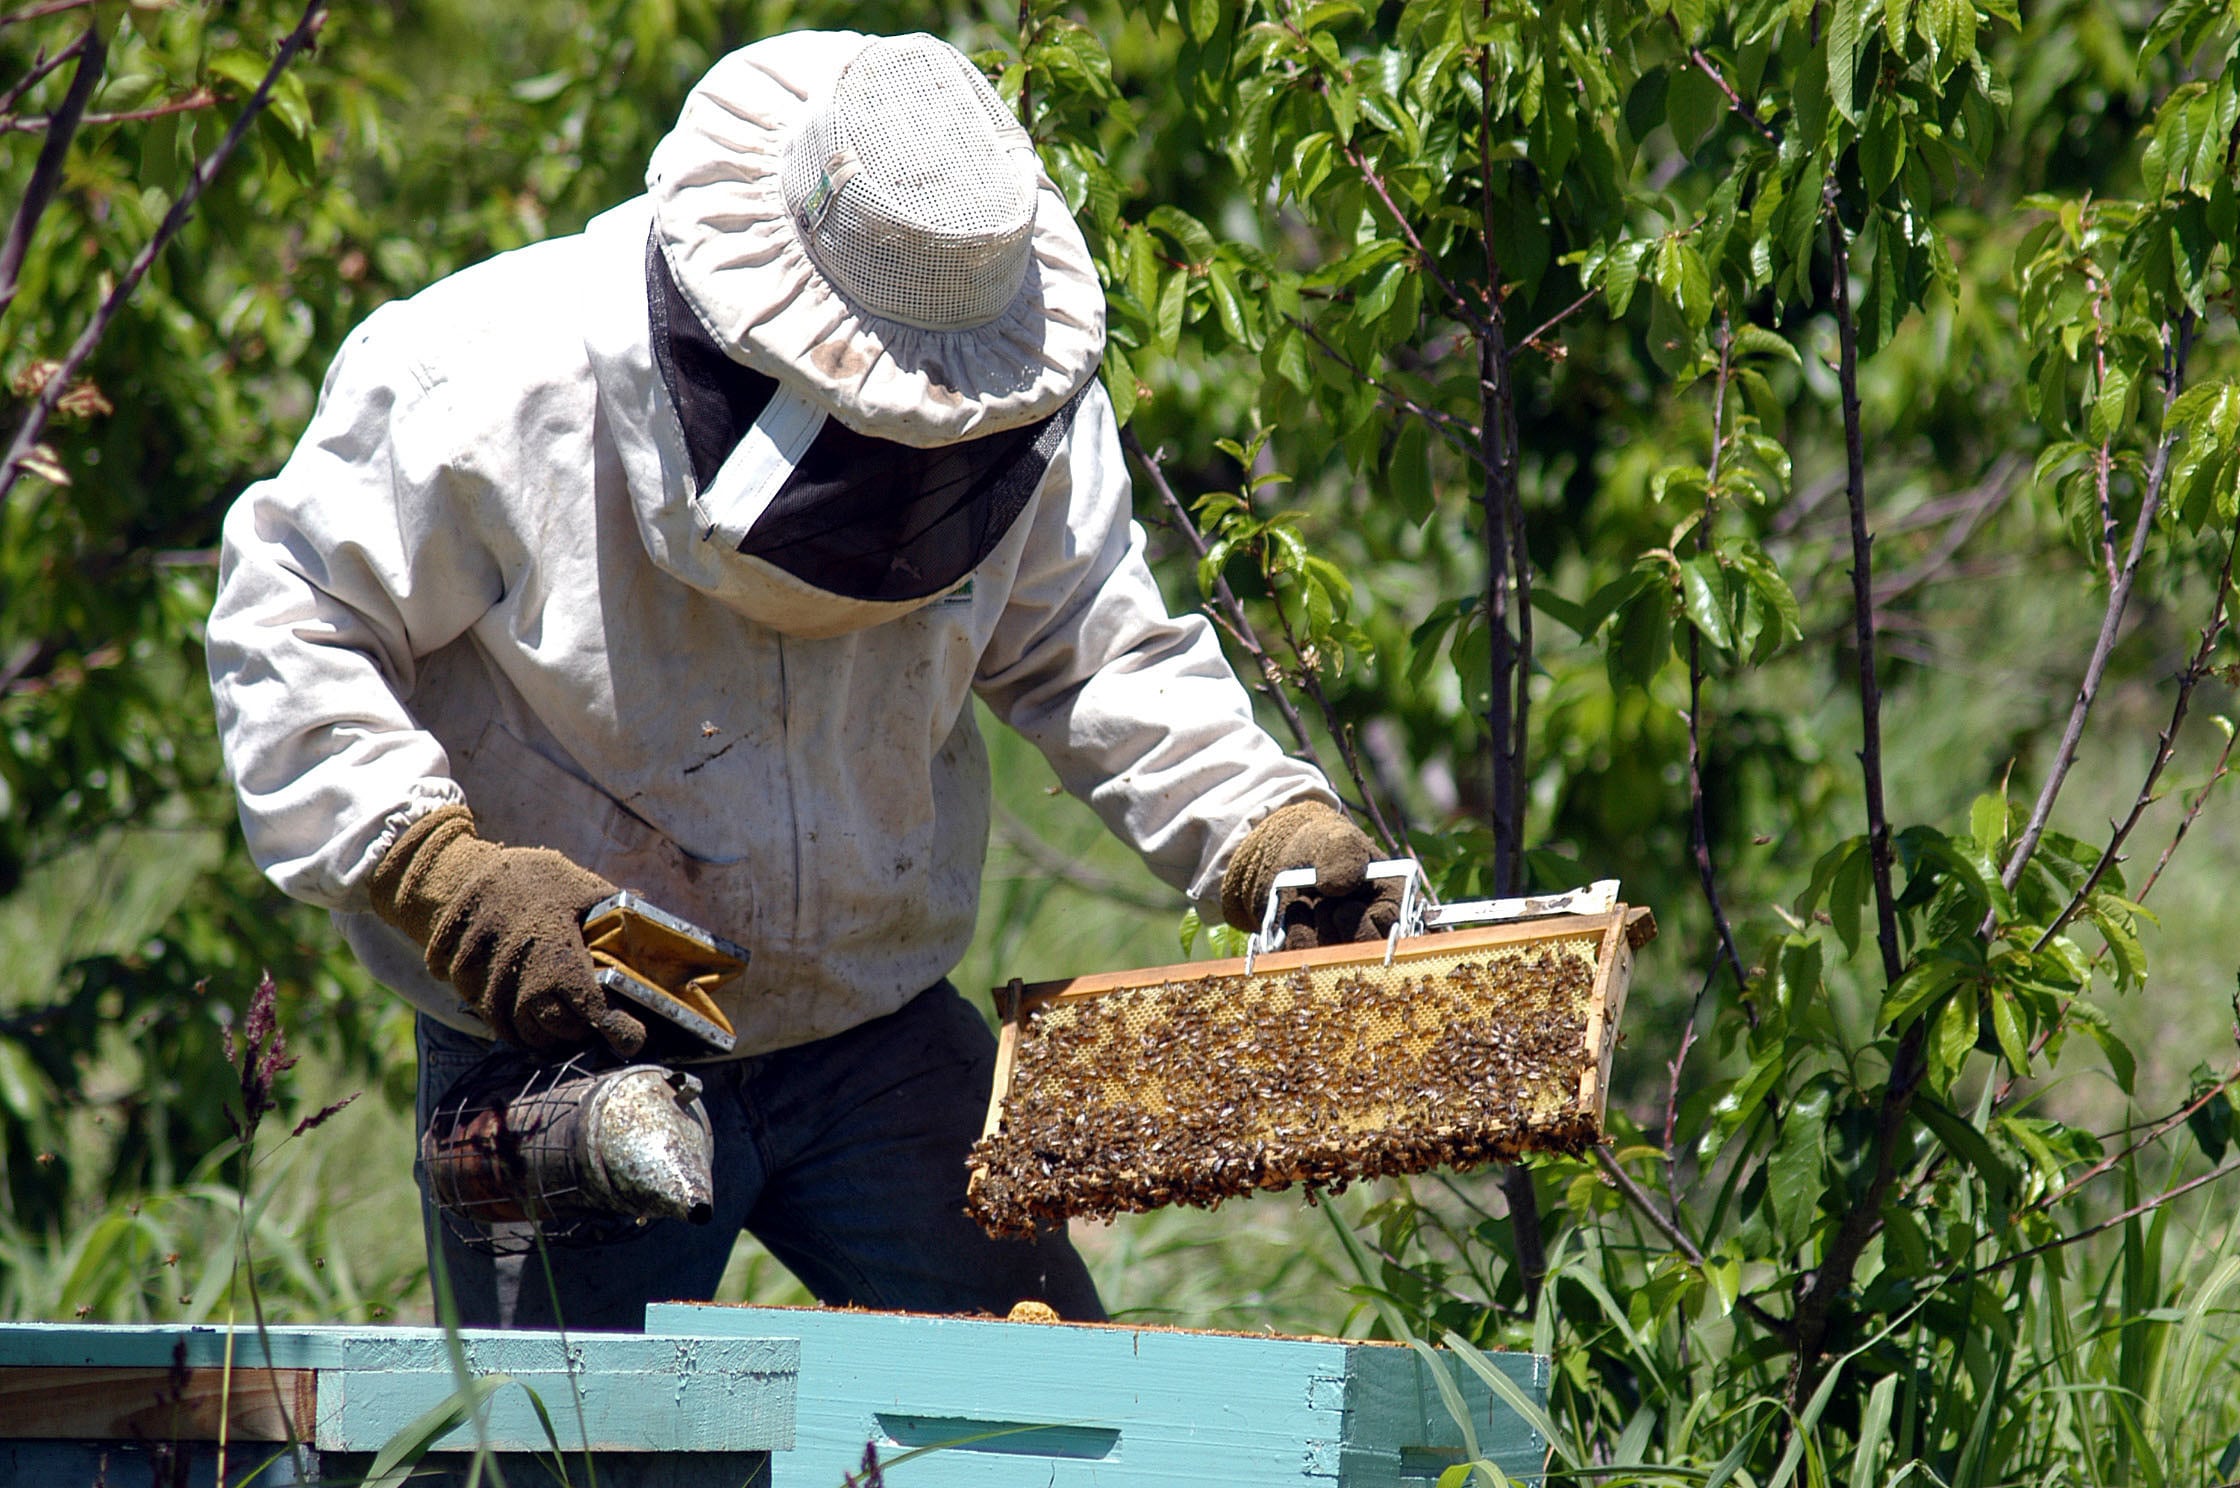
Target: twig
pixel 2196 668
pixel 1310 678
pixel 1463 309
pixel 200 98
pixel 2153 1135
pixel 1555 320
pixel 2193 810
pixel 41 66
pixel 2147 1206
pixel 1457 432
pixel 46 176
pixel 1699 814
pixel 1063 866
pixel 42 406
pixel 1710 69
pixel 1230 611
pixel 2111 620
pixel 1862 603
pixel 1026 74
pixel 48 8
pixel 1669 1227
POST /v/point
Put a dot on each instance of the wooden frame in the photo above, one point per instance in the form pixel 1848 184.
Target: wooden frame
pixel 1623 929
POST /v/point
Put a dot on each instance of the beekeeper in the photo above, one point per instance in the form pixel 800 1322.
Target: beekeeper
pixel 670 556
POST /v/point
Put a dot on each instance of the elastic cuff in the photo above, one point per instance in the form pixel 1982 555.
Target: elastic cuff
pixel 426 798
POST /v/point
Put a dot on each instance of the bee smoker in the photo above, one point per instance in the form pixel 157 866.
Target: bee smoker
pixel 586 1149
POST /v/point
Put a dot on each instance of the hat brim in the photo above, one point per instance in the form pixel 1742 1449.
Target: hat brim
pixel 720 211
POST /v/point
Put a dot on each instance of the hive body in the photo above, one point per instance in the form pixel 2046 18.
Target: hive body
pixel 1191 1084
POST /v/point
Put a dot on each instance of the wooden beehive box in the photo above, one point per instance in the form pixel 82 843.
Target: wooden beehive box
pixel 1069 1405
pixel 88 1403
pixel 1190 1084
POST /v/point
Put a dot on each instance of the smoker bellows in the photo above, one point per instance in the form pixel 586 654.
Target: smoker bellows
pixel 1191 1084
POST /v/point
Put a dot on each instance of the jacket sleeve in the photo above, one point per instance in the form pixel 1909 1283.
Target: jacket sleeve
pixel 359 557
pixel 1137 710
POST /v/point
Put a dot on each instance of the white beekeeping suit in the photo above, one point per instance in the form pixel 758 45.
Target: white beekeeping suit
pixel 682 545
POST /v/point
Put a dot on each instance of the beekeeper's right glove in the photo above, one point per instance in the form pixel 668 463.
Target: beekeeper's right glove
pixel 1344 904
pixel 504 926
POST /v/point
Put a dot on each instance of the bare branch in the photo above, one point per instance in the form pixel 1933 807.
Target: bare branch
pixel 2111 620
pixel 46 172
pixel 42 407
pixel 2154 1134
pixel 200 98
pixel 42 66
pixel 1669 1227
pixel 1533 340
pixel 1067 869
pixel 2146 1206
pixel 47 8
pixel 1862 603
pixel 1457 432
pixel 1231 610
pixel 1710 69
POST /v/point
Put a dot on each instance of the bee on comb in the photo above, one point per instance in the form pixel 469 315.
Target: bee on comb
pixel 1192 1084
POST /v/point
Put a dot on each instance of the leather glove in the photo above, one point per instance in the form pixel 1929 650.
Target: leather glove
pixel 1345 905
pixel 504 926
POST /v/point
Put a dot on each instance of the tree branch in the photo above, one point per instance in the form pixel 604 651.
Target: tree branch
pixel 1699 814
pixel 200 98
pixel 1907 1065
pixel 1669 1227
pixel 1457 432
pixel 1710 69
pixel 46 172
pixel 1862 603
pixel 2154 1134
pixel 1311 679
pixel 2147 1206
pixel 41 66
pixel 42 407
pixel 1231 610
pixel 48 8
pixel 2111 620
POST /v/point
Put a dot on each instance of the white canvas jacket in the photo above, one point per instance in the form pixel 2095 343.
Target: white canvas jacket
pixel 480 577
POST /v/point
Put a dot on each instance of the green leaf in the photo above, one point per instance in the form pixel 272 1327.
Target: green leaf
pixel 1408 474
pixel 2006 1026
pixel 393 1463
pixel 1643 642
pixel 1198 245
pixel 1793 1172
pixel 1846 35
pixel 1693 106
pixel 1703 598
pixel 1848 896
pixel 1621 271
pixel 1119 382
pixel 1961 1138
pixel 1987 823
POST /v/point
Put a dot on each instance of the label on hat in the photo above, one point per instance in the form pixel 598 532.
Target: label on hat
pixel 837 172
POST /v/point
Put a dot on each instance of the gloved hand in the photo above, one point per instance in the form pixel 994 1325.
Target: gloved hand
pixel 504 926
pixel 1345 905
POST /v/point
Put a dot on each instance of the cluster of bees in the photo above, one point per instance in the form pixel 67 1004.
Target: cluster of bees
pixel 1191 1092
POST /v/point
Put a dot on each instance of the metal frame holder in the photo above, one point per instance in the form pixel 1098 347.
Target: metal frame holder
pixel 1599 897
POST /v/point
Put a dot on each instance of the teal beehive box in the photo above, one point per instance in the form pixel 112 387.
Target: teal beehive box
pixel 1057 1405
pixel 91 1404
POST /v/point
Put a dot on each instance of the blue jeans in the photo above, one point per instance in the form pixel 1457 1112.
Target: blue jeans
pixel 844 1157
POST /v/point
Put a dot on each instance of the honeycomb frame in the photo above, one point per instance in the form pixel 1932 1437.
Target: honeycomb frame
pixel 1189 1084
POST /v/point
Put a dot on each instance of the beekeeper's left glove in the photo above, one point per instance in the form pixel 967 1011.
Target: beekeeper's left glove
pixel 504 926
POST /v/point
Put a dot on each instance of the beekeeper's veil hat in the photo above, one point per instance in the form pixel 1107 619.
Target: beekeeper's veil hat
pixel 861 218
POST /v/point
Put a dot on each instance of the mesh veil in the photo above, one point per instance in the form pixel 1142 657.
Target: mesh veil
pixel 913 189
pixel 861 517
